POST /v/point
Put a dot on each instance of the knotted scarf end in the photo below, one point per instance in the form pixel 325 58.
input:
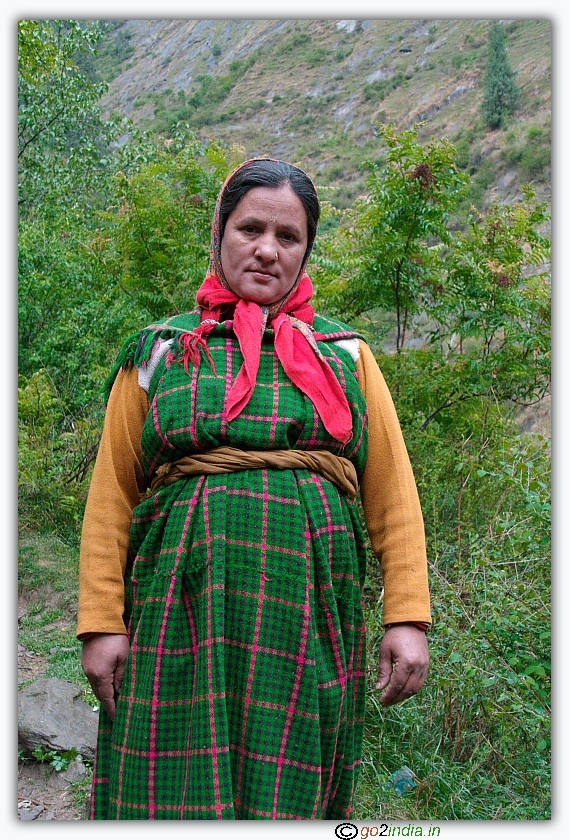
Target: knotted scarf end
pixel 191 347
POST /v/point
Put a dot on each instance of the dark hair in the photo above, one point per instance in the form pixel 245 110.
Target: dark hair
pixel 272 173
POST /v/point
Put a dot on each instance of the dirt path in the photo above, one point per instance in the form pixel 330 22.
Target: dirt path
pixel 44 794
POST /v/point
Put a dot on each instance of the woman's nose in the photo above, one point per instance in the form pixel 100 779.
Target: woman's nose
pixel 267 248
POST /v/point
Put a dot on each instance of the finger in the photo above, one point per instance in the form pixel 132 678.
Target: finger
pixel 401 689
pixel 119 677
pixel 384 668
pixel 395 691
pixel 111 708
pixel 383 679
pixel 406 681
pixel 392 667
pixel 418 678
pixel 103 690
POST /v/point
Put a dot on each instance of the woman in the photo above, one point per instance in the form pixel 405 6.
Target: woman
pixel 221 614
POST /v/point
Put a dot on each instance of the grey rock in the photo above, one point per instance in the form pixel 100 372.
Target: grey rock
pixel 57 781
pixel 75 771
pixel 52 714
pixel 30 813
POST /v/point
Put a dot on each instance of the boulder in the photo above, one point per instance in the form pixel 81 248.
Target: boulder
pixel 52 714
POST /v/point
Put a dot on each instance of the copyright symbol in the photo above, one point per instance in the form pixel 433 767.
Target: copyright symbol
pixel 346 831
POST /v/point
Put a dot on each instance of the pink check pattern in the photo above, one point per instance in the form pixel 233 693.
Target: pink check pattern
pixel 244 691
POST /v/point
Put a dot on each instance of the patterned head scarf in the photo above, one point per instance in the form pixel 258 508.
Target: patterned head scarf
pixel 291 318
pixel 215 266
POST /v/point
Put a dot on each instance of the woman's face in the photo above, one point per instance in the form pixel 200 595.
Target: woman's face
pixel 264 243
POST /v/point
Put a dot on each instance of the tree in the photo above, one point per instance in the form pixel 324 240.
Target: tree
pixel 153 242
pixel 489 317
pixel 388 247
pixel 483 293
pixel 63 152
pixel 501 91
pixel 495 306
pixel 68 319
pixel 62 140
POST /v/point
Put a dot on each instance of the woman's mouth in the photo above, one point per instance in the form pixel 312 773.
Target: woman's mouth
pixel 261 274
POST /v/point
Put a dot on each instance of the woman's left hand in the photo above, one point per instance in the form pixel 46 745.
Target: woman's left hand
pixel 404 661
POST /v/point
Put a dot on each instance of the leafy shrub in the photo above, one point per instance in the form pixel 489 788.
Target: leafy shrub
pixel 342 53
pixel 533 157
pixel 155 236
pixel 55 453
pixel 59 760
pixel 294 42
pixel 317 56
pixel 483 176
pixel 464 59
pixel 214 89
pixel 379 89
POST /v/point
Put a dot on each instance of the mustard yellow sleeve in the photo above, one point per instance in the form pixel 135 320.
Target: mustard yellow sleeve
pixel 391 503
pixel 114 492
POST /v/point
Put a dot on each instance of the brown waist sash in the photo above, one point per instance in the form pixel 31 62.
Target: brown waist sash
pixel 227 459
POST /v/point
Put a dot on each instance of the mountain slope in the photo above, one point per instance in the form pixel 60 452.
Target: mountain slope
pixel 311 91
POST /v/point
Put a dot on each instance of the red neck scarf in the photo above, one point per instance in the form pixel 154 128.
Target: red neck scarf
pixel 295 345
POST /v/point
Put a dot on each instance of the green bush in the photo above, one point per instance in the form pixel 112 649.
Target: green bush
pixel 381 88
pixel 317 56
pixel 533 158
pixel 342 53
pixel 214 89
pixel 294 42
pixel 464 59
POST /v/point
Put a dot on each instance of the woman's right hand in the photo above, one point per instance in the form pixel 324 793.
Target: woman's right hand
pixel 103 659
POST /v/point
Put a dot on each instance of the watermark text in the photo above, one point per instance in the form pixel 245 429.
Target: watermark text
pixel 350 831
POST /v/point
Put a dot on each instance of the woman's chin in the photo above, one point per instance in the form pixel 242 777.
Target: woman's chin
pixel 261 295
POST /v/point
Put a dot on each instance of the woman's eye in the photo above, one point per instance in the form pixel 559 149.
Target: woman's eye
pixel 287 237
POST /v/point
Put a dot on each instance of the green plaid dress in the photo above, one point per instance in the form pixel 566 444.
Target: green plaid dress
pixel 244 691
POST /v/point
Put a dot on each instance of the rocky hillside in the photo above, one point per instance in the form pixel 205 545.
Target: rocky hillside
pixel 312 91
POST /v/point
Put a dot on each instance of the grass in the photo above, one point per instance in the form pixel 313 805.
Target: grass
pixel 48 581
pixel 473 742
pixel 82 791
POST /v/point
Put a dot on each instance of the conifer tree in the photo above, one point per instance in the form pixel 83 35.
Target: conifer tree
pixel 501 91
